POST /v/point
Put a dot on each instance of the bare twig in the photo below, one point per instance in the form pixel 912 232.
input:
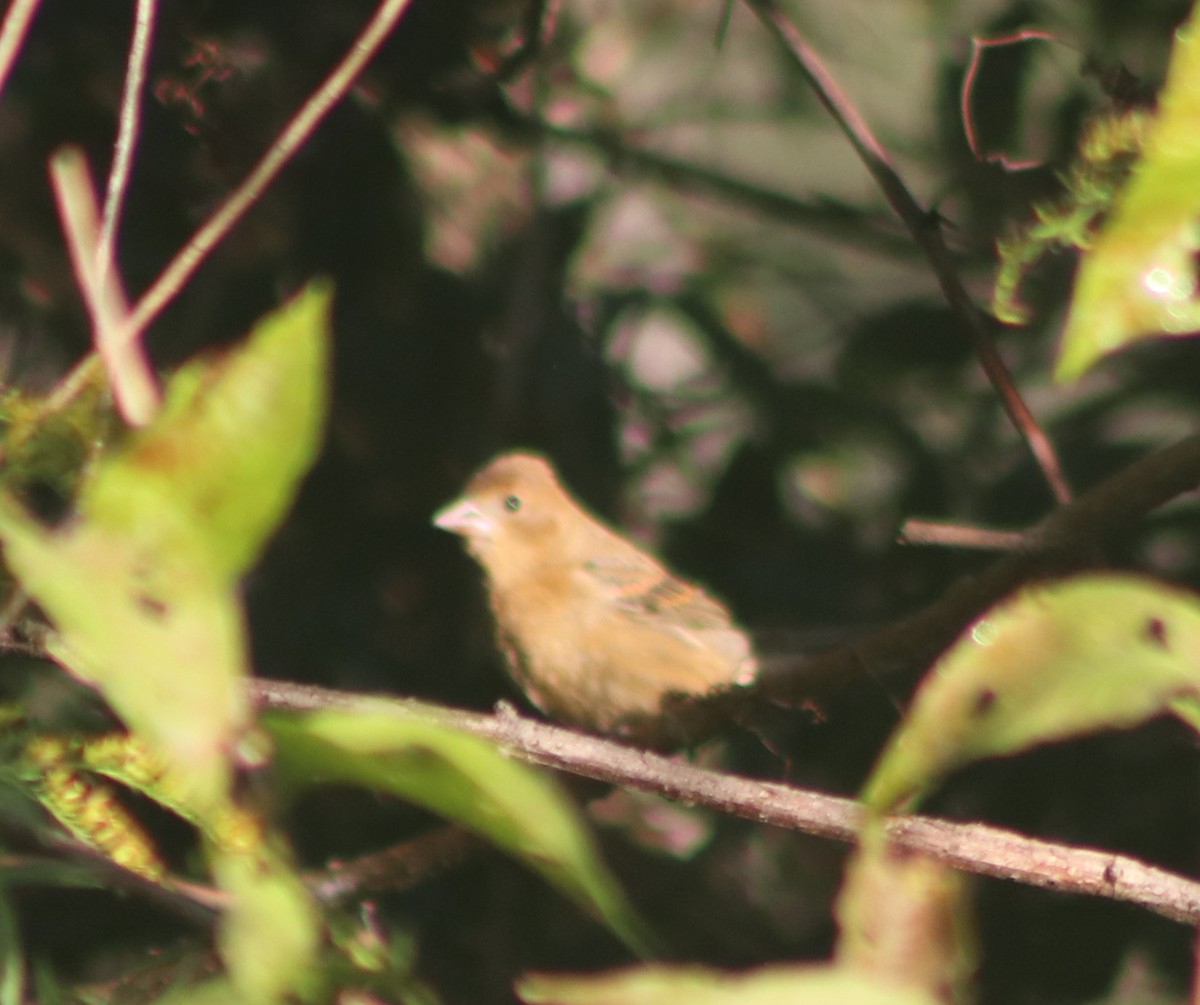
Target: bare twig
pixel 924 231
pixel 127 131
pixel 976 848
pixel 129 372
pixel 12 34
pixel 394 869
pixel 956 535
pixel 1061 542
pixel 978 47
pixel 195 904
pixel 860 228
pixel 294 134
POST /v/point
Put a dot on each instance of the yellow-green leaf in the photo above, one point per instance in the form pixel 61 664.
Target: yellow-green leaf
pixel 141 585
pixel 1090 653
pixel 219 466
pixel 1139 279
pixel 12 959
pixel 269 932
pixel 463 778
pixel 906 920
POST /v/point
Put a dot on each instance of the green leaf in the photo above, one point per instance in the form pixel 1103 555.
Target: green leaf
pixel 1139 279
pixel 214 991
pixel 465 779
pixel 1107 150
pixel 161 636
pixel 269 932
pixel 142 584
pixel 1090 653
pixel 906 920
pixel 236 434
pixel 12 957
pixel 781 985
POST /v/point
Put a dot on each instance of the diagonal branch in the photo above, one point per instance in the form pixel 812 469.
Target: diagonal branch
pixel 129 372
pixel 1062 542
pixel 127 133
pixel 180 269
pixel 924 230
pixel 12 33
pixel 294 134
pixel 970 847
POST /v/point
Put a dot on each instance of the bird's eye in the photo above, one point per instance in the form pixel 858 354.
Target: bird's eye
pixel 512 503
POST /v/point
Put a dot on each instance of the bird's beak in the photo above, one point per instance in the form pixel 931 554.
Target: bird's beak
pixel 465 518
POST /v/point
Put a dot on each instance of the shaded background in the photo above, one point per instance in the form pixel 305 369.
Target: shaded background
pixel 653 257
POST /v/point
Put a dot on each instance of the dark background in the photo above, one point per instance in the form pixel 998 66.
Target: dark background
pixel 761 390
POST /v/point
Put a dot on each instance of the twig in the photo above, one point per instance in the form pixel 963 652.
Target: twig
pixel 335 86
pixel 976 848
pixel 924 231
pixel 195 904
pixel 1062 541
pixel 129 373
pixel 83 374
pixel 127 132
pixel 12 34
pixel 955 535
pixel 859 228
pixel 978 47
pixel 394 869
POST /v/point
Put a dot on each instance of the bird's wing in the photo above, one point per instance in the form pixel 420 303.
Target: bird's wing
pixel 641 587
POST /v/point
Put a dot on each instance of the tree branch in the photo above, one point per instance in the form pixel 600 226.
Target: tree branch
pixel 924 230
pixel 976 848
pixel 1062 542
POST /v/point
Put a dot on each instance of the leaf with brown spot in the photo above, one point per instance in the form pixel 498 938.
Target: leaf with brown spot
pixel 1054 661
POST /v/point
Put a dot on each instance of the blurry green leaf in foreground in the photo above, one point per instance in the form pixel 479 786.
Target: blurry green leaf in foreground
pixel 1107 150
pixel 464 779
pixel 270 930
pixel 906 919
pixel 1139 279
pixel 782 985
pixel 12 959
pixel 141 584
pixel 1054 661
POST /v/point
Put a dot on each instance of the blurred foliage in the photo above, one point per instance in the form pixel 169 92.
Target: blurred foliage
pixel 1107 151
pixel 464 779
pixel 1140 279
pixel 1052 662
pixel 654 257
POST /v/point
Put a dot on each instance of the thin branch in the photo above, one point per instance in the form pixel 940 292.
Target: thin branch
pixel 976 848
pixel 1062 542
pixel 924 231
pixel 293 136
pixel 12 34
pixel 86 372
pixel 129 372
pixel 956 535
pixel 192 903
pixel 127 133
pixel 967 92
pixel 394 869
pixel 860 228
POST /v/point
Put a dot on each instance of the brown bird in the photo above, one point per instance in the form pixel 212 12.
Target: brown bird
pixel 595 630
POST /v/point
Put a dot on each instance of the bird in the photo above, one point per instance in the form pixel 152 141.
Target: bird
pixel 594 630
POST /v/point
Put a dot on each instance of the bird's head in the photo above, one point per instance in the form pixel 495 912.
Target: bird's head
pixel 513 514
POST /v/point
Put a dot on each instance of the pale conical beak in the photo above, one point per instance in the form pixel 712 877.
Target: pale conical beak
pixel 465 518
